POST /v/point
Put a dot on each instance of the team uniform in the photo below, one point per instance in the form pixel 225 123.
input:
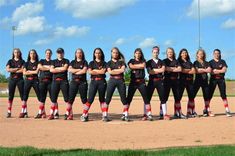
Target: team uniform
pixel 186 82
pixel 117 81
pixel 218 79
pixel 138 82
pixel 29 82
pixel 156 82
pixel 78 83
pixel 59 82
pixel 45 79
pixel 201 81
pixel 98 83
pixel 16 79
pixel 171 81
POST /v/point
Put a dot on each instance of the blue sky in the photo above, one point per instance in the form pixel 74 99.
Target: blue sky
pixel 127 24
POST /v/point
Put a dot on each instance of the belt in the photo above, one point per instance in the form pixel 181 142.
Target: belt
pixel 97 78
pixel 139 80
pixel 189 79
pixel 217 77
pixel 31 78
pixel 156 79
pixel 59 79
pixel 116 77
pixel 46 79
pixel 173 78
pixel 15 77
pixel 77 79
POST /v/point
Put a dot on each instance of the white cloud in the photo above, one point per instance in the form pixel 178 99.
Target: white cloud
pixel 148 42
pixel 71 31
pixel 26 18
pixel 27 10
pixel 31 25
pixel 119 41
pixel 229 24
pixel 92 8
pixel 59 32
pixel 7 2
pixel 211 8
pixel 168 43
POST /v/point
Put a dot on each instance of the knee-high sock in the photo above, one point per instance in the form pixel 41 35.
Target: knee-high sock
pixel 148 109
pixel 164 108
pixel 24 107
pixel 191 106
pixel 41 108
pixel 69 109
pixel 9 106
pixel 104 108
pixel 207 105
pixel 56 110
pixel 52 110
pixel 226 104
pixel 125 109
pixel 177 107
pixel 86 108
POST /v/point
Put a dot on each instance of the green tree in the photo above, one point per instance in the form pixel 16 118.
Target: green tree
pixel 127 75
pixel 3 78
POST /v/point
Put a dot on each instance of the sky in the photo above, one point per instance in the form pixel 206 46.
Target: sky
pixel 127 24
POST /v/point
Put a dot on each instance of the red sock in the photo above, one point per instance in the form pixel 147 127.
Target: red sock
pixel 148 109
pixel 226 104
pixel 9 106
pixel 86 108
pixel 177 107
pixel 126 109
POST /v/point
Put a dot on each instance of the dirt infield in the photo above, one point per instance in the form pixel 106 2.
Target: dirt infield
pixel 116 134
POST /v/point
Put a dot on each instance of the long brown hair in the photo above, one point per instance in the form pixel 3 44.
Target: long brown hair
pixel 102 54
pixel 120 55
pixel 18 49
pixel 204 54
pixel 36 59
pixel 172 50
pixel 83 55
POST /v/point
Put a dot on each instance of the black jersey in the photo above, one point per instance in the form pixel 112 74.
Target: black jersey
pixel 45 74
pixel 31 66
pixel 60 63
pixel 97 65
pixel 151 64
pixel 186 65
pixel 116 65
pixel 137 73
pixel 203 65
pixel 15 64
pixel 218 65
pixel 173 63
pixel 79 65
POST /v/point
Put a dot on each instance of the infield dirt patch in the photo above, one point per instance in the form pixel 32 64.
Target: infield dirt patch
pixel 137 134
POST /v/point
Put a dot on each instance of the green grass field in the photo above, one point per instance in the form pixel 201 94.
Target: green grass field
pixel 225 150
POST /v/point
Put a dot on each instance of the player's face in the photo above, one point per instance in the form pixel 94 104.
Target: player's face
pixel 138 55
pixel 98 54
pixel 115 54
pixel 155 53
pixel 79 54
pixel 170 53
pixel 184 55
pixel 200 55
pixel 32 55
pixel 216 54
pixel 16 54
pixel 60 55
pixel 48 54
